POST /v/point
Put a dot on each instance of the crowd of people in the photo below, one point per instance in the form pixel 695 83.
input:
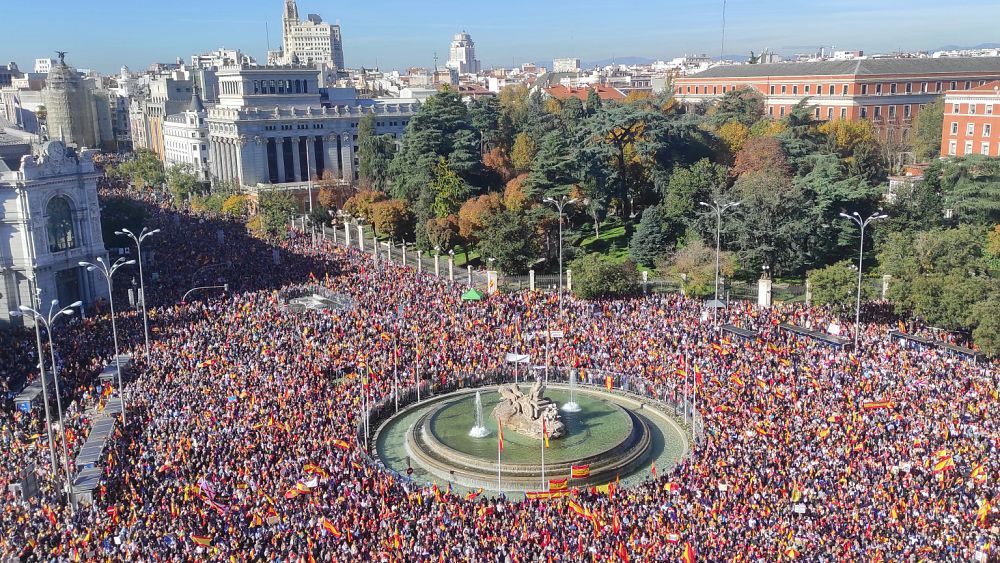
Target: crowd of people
pixel 240 442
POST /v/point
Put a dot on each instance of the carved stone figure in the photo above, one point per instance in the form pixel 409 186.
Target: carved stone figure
pixel 524 413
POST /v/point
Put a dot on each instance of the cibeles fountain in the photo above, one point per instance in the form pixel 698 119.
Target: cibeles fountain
pixel 454 438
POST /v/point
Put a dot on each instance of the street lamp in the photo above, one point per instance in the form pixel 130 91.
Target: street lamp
pixel 108 275
pixel 862 223
pixel 718 209
pixel 48 321
pixel 142 282
pixel 560 204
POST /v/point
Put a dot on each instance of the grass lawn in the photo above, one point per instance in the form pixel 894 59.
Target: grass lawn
pixel 612 243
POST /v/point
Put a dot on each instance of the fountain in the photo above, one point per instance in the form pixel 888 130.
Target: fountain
pixel 478 430
pixel 572 405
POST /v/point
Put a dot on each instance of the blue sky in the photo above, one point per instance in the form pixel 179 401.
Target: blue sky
pixel 104 34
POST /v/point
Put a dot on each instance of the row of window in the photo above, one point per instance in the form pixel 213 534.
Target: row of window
pixel 878 88
pixel 876 112
pixel 984 148
pixel 973 109
pixel 970 129
pixel 281 86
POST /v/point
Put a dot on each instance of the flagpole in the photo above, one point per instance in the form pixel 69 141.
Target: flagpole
pixel 418 370
pixel 395 371
pixel 499 449
pixel 545 486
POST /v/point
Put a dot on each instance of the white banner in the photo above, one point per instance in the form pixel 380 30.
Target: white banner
pixel 516 358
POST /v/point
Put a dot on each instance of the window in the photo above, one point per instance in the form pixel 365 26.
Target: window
pixel 987 129
pixel 907 111
pixel 985 149
pixel 782 112
pixel 807 89
pixel 937 87
pixel 843 90
pixel 784 89
pixel 892 112
pixel 816 113
pixel 954 85
pixel 989 109
pixel 892 88
pixel 952 148
pixel 772 89
pixel 956 108
pixel 829 113
pixel 878 112
pixel 923 88
pixel 770 110
pixel 60 224
pixel 909 88
pixel 972 109
pixel 970 129
pixel 864 112
pixel 843 113
pixel 878 89
pixel 968 148
pixel 968 84
pixel 864 89
pixel 715 89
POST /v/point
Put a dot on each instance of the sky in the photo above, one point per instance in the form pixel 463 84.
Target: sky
pixel 396 34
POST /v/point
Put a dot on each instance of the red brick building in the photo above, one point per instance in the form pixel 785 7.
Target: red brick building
pixel 889 92
pixel 972 121
pixel 604 92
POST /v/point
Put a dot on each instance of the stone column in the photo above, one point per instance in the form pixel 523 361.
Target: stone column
pixel 420 262
pixel 279 148
pixel 451 268
pixel 437 265
pixel 310 158
pixel 361 238
pixel 347 154
pixel 809 293
pixel 296 157
pixel 468 270
pixel 645 281
pixel 330 146
pixel 531 280
pixel 886 278
pixel 347 234
pixel 569 280
pixel 404 254
pixel 241 145
pixel 764 292
pixel 213 157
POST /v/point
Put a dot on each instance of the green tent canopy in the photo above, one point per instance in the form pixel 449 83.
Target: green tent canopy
pixel 472 295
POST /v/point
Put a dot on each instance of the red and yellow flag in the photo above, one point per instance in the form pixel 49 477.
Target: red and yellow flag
pixel 580 471
pixel 330 527
pixel 873 405
pixel 558 484
pixel 500 435
pixel 545 433
pixel 688 555
pixel 201 540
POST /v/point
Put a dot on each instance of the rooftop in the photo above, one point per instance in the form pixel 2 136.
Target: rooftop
pixel 606 93
pixel 860 67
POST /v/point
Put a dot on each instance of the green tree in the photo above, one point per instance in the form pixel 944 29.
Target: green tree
pixel 769 227
pixel 552 170
pixel 694 263
pixel 375 154
pixel 987 333
pixel 144 170
pixel 926 139
pixel 392 219
pixel 442 232
pixel 182 183
pixel 744 106
pixel 655 237
pixel 274 208
pixel 449 190
pixel 594 103
pixel 507 237
pixel 836 286
pixel 690 184
pixel 596 275
pixel 523 153
pixel 971 187
pixel 485 115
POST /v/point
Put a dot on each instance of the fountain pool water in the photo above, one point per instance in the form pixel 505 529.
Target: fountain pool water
pixel 479 430
pixel 571 405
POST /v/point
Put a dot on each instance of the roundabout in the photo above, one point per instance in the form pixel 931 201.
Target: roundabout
pixel 452 439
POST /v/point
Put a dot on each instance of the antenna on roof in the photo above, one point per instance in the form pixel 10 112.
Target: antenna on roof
pixel 267 34
pixel 722 53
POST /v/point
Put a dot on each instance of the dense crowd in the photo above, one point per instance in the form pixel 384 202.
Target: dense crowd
pixel 240 443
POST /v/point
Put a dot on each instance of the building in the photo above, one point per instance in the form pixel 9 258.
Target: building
pixel 167 93
pixel 310 41
pixel 972 121
pixel 462 55
pixel 43 66
pixel 185 139
pixel 8 73
pixel 887 91
pixel 50 220
pixel 75 110
pixel 605 93
pixel 272 126
pixel 566 65
pixel 222 58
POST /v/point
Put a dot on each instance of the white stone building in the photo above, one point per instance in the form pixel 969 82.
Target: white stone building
pixel 462 55
pixel 310 41
pixel 272 127
pixel 43 66
pixel 566 65
pixel 50 220
pixel 185 139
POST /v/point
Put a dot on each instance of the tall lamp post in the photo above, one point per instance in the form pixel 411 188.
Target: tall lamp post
pixel 142 282
pixel 108 275
pixel 719 209
pixel 862 223
pixel 48 321
pixel 560 204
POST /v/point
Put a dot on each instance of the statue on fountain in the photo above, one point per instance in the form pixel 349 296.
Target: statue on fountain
pixel 524 413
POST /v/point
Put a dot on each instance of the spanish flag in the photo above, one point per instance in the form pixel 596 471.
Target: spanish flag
pixel 545 433
pixel 608 382
pixel 500 435
pixel 471 495
pixel 873 405
pixel 201 540
pixel 330 528
pixel 342 444
pixel 688 555
pixel 558 484
pixel 902 326
pixel 736 379
pixel 580 471
pixel 944 464
pixel 978 475
pixel 575 507
pixel 791 553
pixel 983 514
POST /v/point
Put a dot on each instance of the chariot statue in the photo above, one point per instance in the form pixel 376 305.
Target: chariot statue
pixel 524 413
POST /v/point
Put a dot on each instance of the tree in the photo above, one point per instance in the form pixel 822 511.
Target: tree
pixel 475 214
pixel 181 182
pixel 836 286
pixel 926 138
pixel 442 232
pixel 523 153
pixel 734 135
pixel 449 190
pixel 485 116
pixel 236 206
pixel 744 106
pixel 552 170
pixel 496 159
pixel 594 103
pixel 375 154
pixel 761 155
pixel 144 169
pixel 274 208
pixel 333 193
pixel 392 219
pixel 845 135
pixel 515 197
pixel 506 236
pixel 987 333
pixel 690 184
pixel 596 275
pixel 769 227
pixel 465 157
pixel 971 187
pixel 655 237
pixel 360 204
pixel 695 264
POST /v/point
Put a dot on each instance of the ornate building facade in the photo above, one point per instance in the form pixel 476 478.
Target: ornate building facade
pixel 50 220
pixel 185 139
pixel 272 126
pixel 311 41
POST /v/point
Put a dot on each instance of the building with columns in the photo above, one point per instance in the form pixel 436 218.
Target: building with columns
pixel 310 41
pixel 50 220
pixel 272 125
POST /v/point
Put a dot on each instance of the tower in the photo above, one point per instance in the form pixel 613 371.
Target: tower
pixel 289 20
pixel 70 107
